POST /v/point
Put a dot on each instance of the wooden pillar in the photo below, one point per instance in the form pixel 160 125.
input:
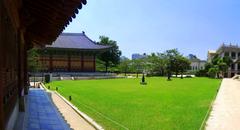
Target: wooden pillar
pixel 82 62
pixel 25 73
pixel 69 63
pixel 1 96
pixel 21 62
pixel 1 66
pixel 1 92
pixel 11 79
pixel 94 63
pixel 50 62
pixel 26 83
pixel 41 59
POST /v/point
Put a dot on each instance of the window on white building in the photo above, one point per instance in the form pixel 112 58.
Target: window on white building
pixel 226 54
pixel 233 55
pixel 233 66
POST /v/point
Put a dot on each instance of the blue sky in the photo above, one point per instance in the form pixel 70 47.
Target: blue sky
pixel 192 26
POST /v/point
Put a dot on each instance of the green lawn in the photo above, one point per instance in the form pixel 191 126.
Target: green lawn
pixel 180 104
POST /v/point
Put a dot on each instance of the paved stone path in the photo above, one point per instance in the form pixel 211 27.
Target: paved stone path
pixel 76 121
pixel 41 113
pixel 225 114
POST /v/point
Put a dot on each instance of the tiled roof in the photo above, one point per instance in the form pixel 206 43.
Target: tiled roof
pixel 76 41
pixel 44 20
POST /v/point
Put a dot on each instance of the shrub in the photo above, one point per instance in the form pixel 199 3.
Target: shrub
pixel 212 72
pixel 201 73
pixel 47 78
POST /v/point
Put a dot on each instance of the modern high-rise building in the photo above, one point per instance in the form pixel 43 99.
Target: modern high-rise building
pixel 138 56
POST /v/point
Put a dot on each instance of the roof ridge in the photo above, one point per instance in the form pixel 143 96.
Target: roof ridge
pixel 71 34
pixel 76 40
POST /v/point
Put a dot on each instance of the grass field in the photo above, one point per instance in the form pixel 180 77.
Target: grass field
pixel 180 104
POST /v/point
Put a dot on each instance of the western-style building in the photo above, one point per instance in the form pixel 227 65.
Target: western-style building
pixel 232 51
pixel 196 63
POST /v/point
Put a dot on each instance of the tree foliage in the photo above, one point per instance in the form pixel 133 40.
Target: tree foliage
pixel 124 66
pixel 218 66
pixel 183 64
pixel 112 56
pixel 176 62
pixel 137 66
pixel 32 60
pixel 157 64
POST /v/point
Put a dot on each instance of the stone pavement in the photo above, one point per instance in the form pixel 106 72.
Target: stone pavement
pixel 72 117
pixel 41 114
pixel 225 114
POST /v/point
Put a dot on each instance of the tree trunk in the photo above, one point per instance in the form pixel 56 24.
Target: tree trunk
pixel 106 68
pixel 181 75
pixel 42 76
pixel 163 73
pixel 137 74
pixel 169 76
pixel 218 75
pixel 34 80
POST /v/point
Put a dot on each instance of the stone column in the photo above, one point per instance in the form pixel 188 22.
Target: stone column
pixel 223 54
pixel 236 67
pixel 230 68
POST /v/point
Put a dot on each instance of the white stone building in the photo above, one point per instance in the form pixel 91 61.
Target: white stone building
pixel 233 51
pixel 197 64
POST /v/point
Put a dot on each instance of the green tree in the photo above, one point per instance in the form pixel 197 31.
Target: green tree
pixel 152 63
pixel 208 66
pixel 162 63
pixel 156 63
pixel 222 66
pixel 218 66
pixel 227 60
pixel 137 66
pixel 183 64
pixel 112 56
pixel 32 60
pixel 172 64
pixel 215 59
pixel 124 66
pixel 212 72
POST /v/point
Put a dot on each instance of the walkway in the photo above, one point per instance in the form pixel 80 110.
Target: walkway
pixel 41 114
pixel 225 114
pixel 76 121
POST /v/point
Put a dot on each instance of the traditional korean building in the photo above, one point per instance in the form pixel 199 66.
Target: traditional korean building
pixel 71 52
pixel 23 25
